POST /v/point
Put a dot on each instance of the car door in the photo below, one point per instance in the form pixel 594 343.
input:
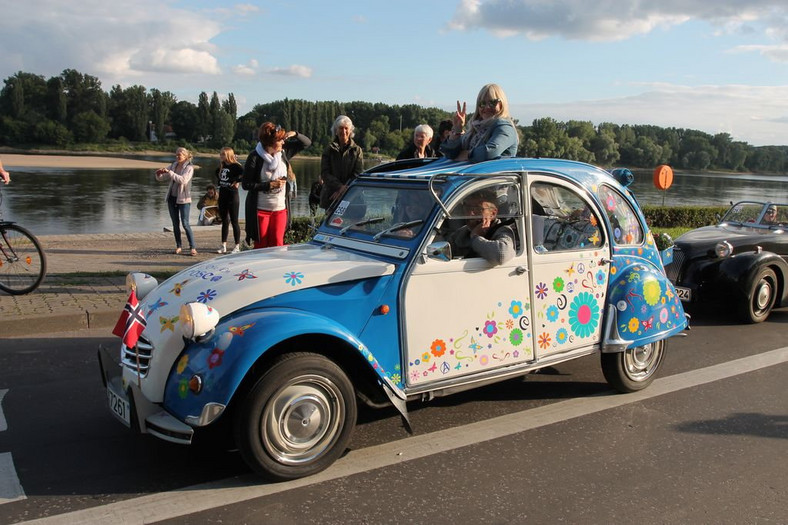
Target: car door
pixel 465 316
pixel 570 258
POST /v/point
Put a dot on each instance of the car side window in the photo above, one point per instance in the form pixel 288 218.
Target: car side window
pixel 562 220
pixel 626 227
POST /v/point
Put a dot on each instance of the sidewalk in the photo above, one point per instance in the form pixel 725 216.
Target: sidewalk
pixel 85 282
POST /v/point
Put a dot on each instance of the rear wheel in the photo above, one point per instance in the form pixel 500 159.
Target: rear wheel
pixel 22 261
pixel 634 368
pixel 760 301
pixel 298 419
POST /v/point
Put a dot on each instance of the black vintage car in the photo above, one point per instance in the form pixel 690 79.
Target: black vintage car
pixel 740 262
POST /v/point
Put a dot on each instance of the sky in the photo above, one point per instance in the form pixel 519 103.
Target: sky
pixel 716 66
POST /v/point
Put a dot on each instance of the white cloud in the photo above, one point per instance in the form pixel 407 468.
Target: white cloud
pixel 246 70
pixel 608 20
pixel 754 114
pixel 294 71
pixel 107 37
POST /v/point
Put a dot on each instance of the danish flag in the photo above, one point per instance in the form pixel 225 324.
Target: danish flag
pixel 132 321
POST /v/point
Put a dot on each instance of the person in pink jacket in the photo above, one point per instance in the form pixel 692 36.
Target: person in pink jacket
pixel 179 196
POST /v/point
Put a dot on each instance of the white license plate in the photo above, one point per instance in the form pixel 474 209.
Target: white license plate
pixel 685 294
pixel 119 406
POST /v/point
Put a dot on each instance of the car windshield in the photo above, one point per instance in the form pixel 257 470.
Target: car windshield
pixel 380 211
pixel 757 213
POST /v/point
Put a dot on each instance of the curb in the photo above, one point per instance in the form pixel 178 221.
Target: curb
pixel 58 323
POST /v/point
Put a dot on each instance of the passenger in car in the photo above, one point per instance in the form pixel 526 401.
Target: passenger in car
pixel 484 234
pixel 770 217
pixel 491 133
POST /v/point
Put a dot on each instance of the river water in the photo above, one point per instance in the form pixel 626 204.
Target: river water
pixel 65 201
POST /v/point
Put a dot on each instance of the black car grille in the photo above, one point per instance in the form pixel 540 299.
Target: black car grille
pixel 137 358
pixel 673 270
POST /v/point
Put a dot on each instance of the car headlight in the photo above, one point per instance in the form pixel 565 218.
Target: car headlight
pixel 723 249
pixel 197 320
pixel 141 282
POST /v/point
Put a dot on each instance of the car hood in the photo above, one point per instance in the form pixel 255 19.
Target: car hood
pixel 742 238
pixel 232 282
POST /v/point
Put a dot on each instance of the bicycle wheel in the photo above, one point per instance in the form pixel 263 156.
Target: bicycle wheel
pixel 22 261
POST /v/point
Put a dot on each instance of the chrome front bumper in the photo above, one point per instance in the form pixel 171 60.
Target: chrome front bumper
pixel 144 417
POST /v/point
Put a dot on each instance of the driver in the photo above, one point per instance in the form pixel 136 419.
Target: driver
pixel 484 234
pixel 770 217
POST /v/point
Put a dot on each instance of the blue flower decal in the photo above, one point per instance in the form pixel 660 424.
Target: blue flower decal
pixel 552 313
pixel 584 314
pixel 561 336
pixel 293 278
pixel 600 277
pixel 516 309
pixel 207 295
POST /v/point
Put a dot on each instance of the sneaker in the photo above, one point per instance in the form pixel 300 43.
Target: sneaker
pixel 222 249
pixel 237 249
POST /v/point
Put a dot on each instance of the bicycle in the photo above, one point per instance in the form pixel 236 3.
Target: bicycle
pixel 23 264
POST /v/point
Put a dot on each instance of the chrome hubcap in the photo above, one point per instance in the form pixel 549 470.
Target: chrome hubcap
pixel 763 295
pixel 642 361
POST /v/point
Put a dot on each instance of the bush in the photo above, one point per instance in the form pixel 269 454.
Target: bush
pixel 682 216
pixel 302 229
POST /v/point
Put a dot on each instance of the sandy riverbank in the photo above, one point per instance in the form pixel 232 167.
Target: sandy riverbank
pixel 13 160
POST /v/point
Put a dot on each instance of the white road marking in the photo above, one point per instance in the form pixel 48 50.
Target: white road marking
pixel 10 489
pixel 3 424
pixel 197 498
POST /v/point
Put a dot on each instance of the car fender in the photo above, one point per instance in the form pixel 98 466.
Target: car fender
pixel 643 308
pixel 222 361
pixel 737 273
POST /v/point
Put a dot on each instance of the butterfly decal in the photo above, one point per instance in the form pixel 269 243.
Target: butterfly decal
pixel 240 330
pixel 648 324
pixel 168 323
pixel 156 305
pixel 178 287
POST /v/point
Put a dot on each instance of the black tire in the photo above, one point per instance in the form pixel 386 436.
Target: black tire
pixel 760 298
pixel 297 419
pixel 633 369
pixel 22 261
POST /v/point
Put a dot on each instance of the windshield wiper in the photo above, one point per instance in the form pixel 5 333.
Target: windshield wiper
pixel 398 226
pixel 373 220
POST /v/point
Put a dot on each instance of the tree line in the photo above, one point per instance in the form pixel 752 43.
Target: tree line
pixel 72 110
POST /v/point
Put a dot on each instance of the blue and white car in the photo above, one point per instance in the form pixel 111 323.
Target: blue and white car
pixel 282 343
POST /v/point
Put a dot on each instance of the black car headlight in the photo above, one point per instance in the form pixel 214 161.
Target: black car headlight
pixel 723 249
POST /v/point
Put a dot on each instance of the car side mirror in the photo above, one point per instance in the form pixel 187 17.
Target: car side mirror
pixel 439 250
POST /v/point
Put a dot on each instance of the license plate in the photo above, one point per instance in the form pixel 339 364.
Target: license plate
pixel 685 294
pixel 119 406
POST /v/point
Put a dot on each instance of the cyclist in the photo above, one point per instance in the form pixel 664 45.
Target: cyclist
pixel 4 174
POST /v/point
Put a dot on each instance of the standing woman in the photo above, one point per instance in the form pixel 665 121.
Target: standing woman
pixel 179 195
pixel 341 162
pixel 265 178
pixel 228 176
pixel 491 133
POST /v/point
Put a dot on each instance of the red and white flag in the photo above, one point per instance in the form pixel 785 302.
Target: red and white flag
pixel 132 321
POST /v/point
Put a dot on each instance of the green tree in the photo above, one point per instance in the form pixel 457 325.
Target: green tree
pixel 89 127
pixel 185 120
pixel 160 106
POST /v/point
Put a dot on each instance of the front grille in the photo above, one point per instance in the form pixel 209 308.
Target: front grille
pixel 129 356
pixel 673 270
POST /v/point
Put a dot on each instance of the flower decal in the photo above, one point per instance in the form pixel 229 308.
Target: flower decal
pixel 651 291
pixel 516 309
pixel 610 203
pixel 561 336
pixel 293 278
pixel 215 359
pixel 558 284
pixel 663 316
pixel 207 295
pixel 182 363
pixel 552 313
pixel 584 314
pixel 541 290
pixel 600 277
pixel 544 340
pixel 490 328
pixel 183 388
pixel 516 337
pixel 633 324
pixel 438 347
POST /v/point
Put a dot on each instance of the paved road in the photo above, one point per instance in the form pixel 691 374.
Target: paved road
pixel 706 443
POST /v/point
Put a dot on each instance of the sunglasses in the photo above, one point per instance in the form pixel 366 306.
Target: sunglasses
pixel 490 103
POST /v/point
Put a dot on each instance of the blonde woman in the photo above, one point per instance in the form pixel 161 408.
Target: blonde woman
pixel 179 195
pixel 491 132
pixel 228 177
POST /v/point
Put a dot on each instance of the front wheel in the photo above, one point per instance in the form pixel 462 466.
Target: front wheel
pixel 760 300
pixel 22 261
pixel 297 419
pixel 634 368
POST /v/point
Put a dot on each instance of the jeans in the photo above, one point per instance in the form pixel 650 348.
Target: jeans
pixel 175 210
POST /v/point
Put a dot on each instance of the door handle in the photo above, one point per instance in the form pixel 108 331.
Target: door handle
pixel 605 261
pixel 520 270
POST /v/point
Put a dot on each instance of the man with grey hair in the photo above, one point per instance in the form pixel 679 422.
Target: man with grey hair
pixel 420 148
